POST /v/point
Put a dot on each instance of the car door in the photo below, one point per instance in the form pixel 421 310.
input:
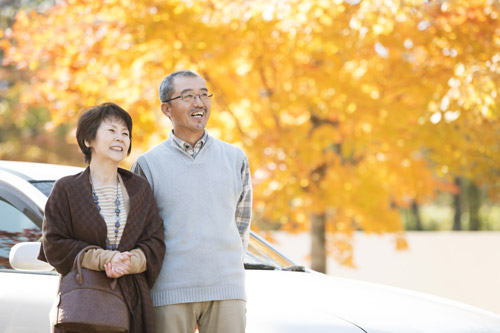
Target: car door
pixel 25 296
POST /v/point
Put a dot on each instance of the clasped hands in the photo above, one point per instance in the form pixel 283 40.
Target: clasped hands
pixel 119 265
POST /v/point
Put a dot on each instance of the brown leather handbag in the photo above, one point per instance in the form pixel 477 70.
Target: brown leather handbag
pixel 89 301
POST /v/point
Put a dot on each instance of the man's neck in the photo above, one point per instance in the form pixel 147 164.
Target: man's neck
pixel 190 138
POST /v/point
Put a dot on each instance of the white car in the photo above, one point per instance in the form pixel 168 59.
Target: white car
pixel 282 296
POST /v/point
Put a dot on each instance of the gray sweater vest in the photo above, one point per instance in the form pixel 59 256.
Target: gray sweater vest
pixel 197 199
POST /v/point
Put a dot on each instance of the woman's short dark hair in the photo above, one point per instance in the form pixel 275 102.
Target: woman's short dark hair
pixel 90 120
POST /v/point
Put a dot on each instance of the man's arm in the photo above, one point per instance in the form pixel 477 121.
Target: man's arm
pixel 244 206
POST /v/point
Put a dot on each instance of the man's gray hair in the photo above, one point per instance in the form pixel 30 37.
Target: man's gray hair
pixel 167 85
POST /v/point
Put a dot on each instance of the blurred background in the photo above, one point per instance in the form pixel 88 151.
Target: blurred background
pixel 372 127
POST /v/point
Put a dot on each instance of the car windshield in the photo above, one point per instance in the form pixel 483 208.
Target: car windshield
pixel 260 254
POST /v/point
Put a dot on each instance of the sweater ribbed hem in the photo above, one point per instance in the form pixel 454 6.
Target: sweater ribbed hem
pixel 197 294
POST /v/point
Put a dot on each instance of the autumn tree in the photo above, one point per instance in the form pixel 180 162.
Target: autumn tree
pixel 347 109
pixel 26 132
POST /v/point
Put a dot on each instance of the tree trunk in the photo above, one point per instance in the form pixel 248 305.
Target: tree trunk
pixel 416 215
pixel 318 242
pixel 474 204
pixel 457 204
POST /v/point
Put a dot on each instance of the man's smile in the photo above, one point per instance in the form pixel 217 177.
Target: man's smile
pixel 199 113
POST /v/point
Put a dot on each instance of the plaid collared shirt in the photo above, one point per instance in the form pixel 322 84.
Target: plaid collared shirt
pixel 244 206
pixel 193 151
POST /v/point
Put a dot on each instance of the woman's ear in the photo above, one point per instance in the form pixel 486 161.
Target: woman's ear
pixel 87 144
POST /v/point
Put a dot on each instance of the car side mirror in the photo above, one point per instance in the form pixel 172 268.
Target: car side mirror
pixel 24 256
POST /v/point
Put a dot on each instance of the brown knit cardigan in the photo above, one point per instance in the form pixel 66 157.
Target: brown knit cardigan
pixel 73 222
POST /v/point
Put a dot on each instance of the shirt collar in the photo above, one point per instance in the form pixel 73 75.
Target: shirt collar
pixel 184 145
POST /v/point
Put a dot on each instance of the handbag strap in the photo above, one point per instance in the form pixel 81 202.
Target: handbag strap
pixel 77 264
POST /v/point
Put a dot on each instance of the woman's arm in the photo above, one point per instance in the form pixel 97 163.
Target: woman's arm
pixel 96 259
pixel 59 247
pixel 151 241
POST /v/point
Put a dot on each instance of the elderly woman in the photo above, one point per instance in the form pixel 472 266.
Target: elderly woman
pixel 109 207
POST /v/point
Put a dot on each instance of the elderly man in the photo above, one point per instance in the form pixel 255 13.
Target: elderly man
pixel 202 188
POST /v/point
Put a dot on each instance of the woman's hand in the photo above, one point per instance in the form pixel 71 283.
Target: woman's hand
pixel 119 265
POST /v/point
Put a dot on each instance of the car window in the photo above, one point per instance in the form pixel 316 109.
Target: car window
pixel 15 227
pixel 44 186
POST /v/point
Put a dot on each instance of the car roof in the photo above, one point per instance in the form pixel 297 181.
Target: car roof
pixel 38 171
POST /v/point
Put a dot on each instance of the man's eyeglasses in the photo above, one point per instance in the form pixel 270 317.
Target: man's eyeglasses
pixel 188 97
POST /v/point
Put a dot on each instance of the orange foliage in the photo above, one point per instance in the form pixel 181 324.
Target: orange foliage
pixel 346 110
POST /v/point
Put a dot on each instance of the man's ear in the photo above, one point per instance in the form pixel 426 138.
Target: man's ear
pixel 165 108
